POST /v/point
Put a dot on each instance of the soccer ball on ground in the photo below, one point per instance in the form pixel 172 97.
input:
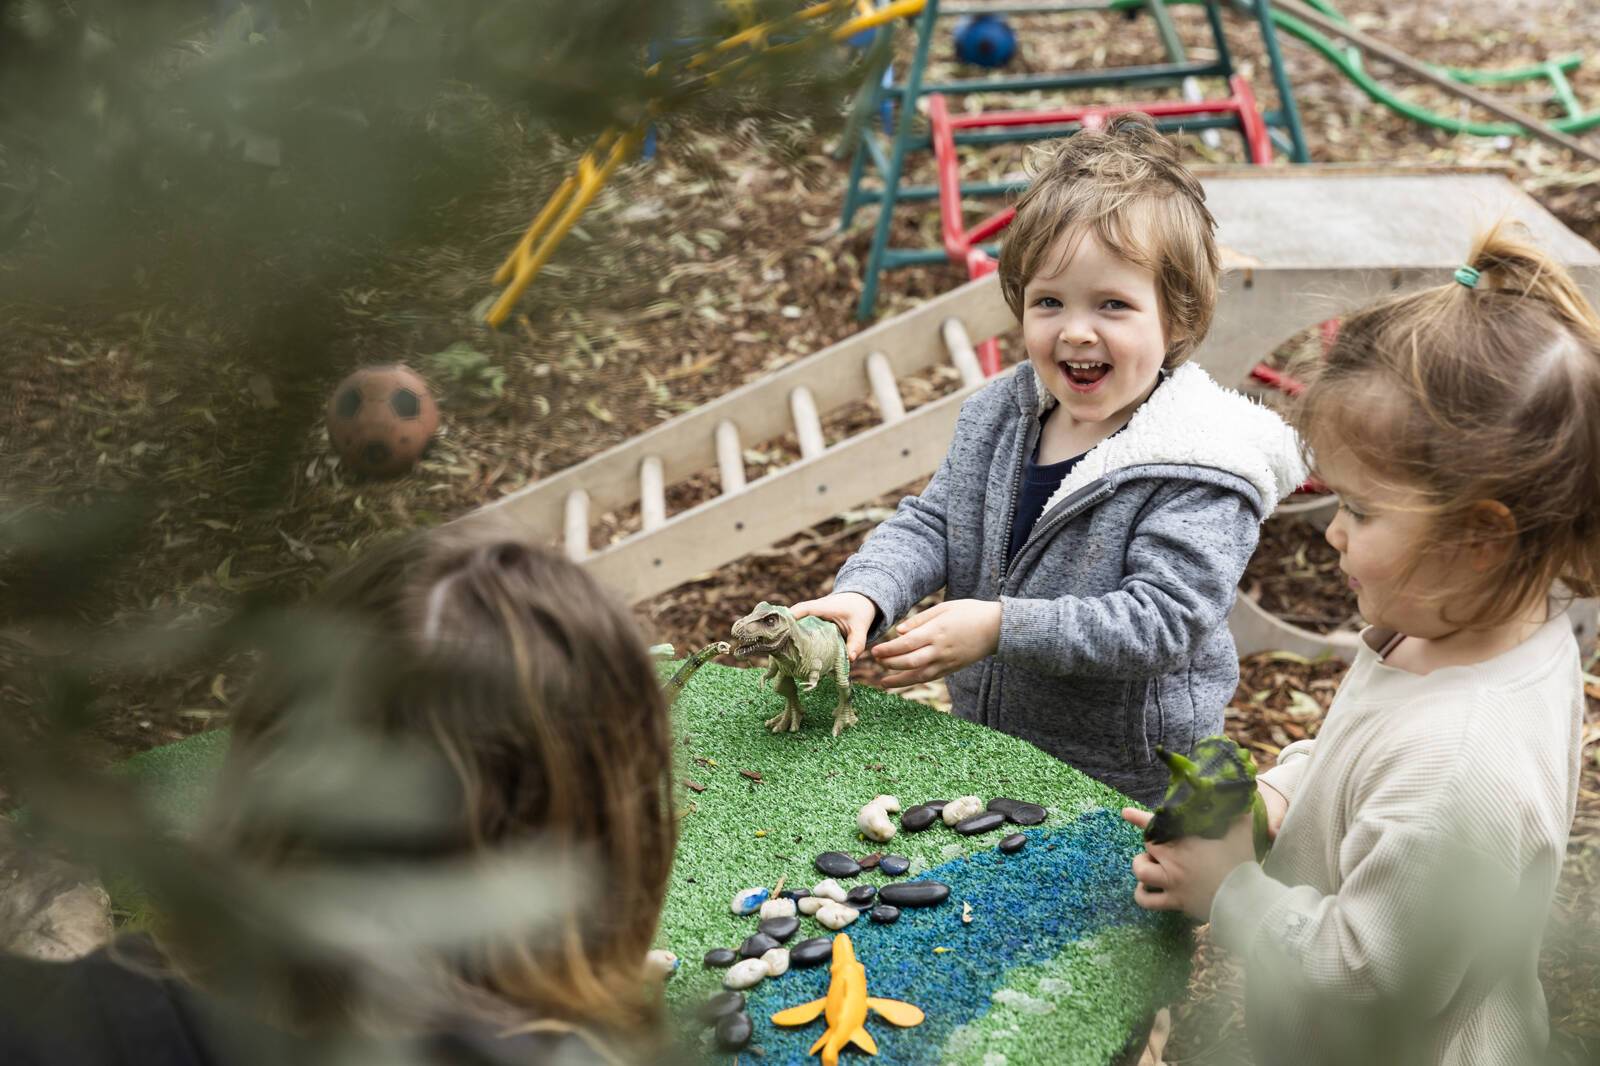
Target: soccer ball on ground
pixel 380 419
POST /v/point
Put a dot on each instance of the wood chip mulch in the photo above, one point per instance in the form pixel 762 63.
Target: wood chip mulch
pixel 1295 575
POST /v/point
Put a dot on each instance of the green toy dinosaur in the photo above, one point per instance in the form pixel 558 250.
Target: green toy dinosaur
pixel 690 665
pixel 798 648
pixel 1207 793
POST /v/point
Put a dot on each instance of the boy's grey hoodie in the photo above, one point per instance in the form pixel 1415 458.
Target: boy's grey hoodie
pixel 1113 627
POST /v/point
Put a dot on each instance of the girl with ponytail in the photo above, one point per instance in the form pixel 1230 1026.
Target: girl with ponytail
pixel 1420 835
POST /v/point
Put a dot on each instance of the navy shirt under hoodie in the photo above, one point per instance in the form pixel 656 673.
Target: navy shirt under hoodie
pixel 1039 483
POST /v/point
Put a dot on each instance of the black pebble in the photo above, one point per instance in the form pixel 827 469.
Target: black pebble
pixel 779 929
pixel 838 864
pixel 813 952
pixel 860 896
pixel 1003 804
pixel 1026 814
pixel 1013 843
pixel 894 865
pixel 721 957
pixel 980 823
pixel 936 805
pixel 734 1031
pixel 914 894
pixel 720 1004
pixel 884 914
pixel 756 945
pixel 915 820
pixel 796 894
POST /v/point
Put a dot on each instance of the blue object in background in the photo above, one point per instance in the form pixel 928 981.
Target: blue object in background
pixel 862 39
pixel 985 41
pixel 886 105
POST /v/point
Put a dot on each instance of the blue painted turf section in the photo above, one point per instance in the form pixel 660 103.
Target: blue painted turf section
pixel 1067 883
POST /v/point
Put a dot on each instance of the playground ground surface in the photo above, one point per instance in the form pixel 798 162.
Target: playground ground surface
pixel 711 266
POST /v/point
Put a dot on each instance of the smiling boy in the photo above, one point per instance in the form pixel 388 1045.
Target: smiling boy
pixel 1096 508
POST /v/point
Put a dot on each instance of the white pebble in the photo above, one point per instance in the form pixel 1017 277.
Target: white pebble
pixel 811 904
pixel 875 825
pixel 873 819
pixel 660 964
pixel 959 810
pixel 836 915
pixel 776 961
pixel 744 974
pixel 748 900
pixel 777 908
pixel 830 889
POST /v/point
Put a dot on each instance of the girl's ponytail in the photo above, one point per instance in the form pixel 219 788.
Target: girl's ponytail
pixel 1486 388
pixel 1564 408
pixel 1507 263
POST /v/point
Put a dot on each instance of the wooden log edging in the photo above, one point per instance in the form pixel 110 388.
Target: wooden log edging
pixel 1255 629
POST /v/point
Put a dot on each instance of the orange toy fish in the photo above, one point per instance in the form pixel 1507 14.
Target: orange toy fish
pixel 845 1008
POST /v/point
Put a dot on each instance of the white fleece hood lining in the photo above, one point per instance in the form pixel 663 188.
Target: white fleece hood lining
pixel 1193 421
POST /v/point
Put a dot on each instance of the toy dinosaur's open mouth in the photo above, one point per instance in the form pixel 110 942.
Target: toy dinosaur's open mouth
pixel 746 646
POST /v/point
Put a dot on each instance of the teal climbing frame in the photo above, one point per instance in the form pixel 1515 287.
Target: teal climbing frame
pixel 887 156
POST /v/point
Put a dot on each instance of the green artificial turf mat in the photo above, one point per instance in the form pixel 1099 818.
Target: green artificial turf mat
pixel 1077 995
pixel 177 778
pixel 740 832
pixel 1098 989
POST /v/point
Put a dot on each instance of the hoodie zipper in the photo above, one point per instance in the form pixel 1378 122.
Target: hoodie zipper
pixel 1016 490
pixel 1046 521
pixel 986 686
pixel 1065 511
pixel 1043 525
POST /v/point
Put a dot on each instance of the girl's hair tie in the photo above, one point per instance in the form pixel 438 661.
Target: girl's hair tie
pixel 1468 276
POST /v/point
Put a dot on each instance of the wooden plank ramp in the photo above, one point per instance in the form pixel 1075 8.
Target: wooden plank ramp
pixel 745 516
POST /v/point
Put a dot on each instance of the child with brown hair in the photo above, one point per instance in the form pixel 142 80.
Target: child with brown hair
pixel 459 701
pixel 1420 835
pixel 1096 509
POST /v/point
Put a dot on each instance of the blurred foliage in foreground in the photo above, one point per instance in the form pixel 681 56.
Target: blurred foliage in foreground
pixel 241 163
pixel 291 140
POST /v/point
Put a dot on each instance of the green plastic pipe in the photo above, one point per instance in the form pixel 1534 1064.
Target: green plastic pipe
pixel 1575 122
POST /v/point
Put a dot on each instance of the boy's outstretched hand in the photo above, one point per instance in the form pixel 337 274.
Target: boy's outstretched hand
pixel 850 611
pixel 1184 874
pixel 940 641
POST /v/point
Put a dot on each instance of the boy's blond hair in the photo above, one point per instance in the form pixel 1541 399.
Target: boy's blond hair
pixel 1124 184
